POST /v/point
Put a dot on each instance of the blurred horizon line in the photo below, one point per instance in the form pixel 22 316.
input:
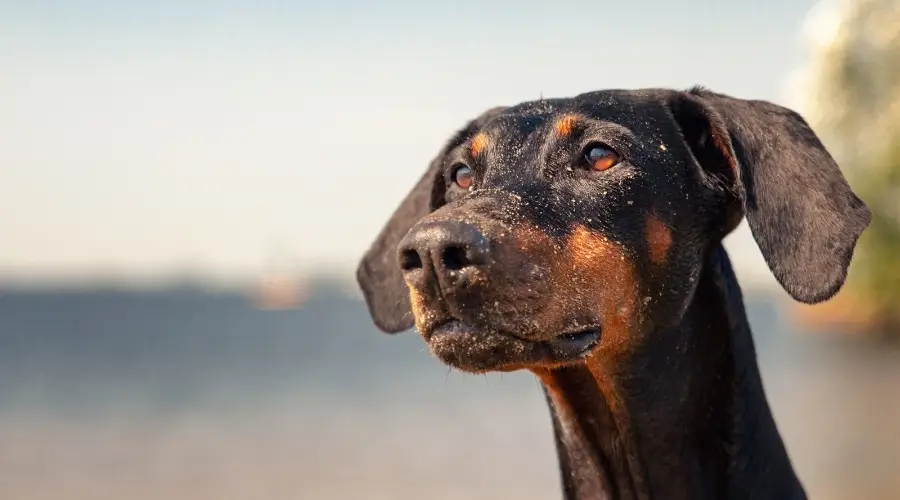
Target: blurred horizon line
pixel 303 280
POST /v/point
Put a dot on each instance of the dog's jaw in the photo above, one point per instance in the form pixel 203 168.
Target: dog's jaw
pixel 471 350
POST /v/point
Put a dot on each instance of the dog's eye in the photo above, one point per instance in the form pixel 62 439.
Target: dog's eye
pixel 600 158
pixel 463 176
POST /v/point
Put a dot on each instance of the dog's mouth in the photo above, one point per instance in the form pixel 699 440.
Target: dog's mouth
pixel 471 350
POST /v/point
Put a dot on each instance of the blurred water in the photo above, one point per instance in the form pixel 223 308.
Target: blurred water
pixel 184 394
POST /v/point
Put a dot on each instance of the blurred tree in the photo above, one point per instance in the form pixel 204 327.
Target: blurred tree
pixel 852 100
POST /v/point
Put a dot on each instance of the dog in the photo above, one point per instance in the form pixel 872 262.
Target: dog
pixel 581 239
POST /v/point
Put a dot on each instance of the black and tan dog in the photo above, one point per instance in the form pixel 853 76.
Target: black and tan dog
pixel 581 239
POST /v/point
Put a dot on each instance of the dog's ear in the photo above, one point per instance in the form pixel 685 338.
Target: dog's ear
pixel 768 164
pixel 378 274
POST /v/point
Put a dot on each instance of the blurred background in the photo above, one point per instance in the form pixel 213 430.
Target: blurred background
pixel 185 188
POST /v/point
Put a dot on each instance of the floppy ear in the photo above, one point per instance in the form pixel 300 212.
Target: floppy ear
pixel 801 211
pixel 378 274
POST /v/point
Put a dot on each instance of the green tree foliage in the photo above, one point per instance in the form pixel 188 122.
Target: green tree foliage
pixel 852 100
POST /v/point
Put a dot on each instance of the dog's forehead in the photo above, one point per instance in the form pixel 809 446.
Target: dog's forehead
pixel 536 120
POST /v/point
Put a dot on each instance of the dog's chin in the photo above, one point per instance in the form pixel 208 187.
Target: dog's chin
pixel 472 350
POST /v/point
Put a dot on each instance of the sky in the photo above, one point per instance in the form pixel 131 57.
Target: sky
pixel 234 137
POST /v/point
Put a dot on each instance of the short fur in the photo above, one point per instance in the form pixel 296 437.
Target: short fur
pixel 612 286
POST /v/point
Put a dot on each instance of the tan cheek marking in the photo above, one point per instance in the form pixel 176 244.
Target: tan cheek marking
pixel 587 272
pixel 659 239
pixel 604 274
pixel 479 142
pixel 565 125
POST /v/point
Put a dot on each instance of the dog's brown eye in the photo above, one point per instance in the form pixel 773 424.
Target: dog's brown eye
pixel 463 176
pixel 601 158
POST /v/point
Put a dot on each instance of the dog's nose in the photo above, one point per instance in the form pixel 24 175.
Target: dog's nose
pixel 449 248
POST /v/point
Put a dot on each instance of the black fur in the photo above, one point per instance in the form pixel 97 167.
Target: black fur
pixel 613 287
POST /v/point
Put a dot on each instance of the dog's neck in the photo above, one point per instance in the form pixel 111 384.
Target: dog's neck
pixel 688 421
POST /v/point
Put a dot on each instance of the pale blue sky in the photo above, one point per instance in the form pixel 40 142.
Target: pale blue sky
pixel 143 138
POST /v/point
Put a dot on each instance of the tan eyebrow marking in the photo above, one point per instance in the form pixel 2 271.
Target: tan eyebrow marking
pixel 565 125
pixel 479 142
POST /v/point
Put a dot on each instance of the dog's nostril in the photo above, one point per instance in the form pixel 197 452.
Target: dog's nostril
pixel 410 260
pixel 454 258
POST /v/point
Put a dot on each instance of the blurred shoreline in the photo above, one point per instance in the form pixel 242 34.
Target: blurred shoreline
pixel 190 392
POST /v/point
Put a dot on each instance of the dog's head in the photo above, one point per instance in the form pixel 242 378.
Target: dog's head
pixel 553 230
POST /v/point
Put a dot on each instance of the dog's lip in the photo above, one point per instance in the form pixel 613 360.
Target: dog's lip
pixel 569 345
pixel 578 342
